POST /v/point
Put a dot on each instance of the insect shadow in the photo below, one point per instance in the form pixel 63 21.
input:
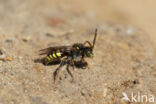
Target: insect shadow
pixel 78 64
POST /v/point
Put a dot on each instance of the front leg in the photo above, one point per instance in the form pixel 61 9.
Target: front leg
pixel 85 63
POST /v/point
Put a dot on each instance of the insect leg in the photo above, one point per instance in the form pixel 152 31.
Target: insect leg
pixel 63 62
pixel 73 66
pixel 85 62
pixel 68 70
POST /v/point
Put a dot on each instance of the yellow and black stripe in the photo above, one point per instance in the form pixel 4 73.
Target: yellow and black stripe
pixel 53 56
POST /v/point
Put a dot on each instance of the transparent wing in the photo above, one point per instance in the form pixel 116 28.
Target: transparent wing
pixel 54 49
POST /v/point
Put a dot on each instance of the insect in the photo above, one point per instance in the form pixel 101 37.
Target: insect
pixel 68 55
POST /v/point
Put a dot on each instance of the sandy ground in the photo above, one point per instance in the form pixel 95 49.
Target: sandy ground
pixel 124 53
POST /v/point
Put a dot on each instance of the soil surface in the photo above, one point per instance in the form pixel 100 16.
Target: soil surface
pixel 124 55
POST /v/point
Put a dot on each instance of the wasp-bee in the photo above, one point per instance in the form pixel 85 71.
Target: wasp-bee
pixel 68 55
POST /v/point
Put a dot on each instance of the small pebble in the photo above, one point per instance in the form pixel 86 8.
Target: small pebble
pixel 8 41
pixel 1 53
pixel 2 56
pixel 83 92
pixel 9 59
pixel 136 81
pixel 49 35
pixel 25 39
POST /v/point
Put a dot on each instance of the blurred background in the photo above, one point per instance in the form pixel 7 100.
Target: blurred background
pixel 139 13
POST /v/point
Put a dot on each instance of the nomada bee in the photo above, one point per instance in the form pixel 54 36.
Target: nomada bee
pixel 68 55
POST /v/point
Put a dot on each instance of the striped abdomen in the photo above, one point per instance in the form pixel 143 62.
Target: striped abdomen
pixel 53 57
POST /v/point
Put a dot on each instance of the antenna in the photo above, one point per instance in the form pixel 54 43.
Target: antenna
pixel 95 37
